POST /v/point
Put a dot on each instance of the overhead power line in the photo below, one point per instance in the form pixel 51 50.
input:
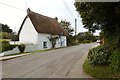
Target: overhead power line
pixel 68 9
pixel 12 6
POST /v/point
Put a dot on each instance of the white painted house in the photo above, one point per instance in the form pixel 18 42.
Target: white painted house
pixel 37 29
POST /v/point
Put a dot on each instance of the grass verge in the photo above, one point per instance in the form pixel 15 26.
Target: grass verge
pixel 32 52
pixel 26 53
pixel 100 71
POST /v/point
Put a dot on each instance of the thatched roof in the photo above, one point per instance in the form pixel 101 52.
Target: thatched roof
pixel 44 24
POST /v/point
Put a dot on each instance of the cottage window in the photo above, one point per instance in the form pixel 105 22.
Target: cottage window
pixel 45 44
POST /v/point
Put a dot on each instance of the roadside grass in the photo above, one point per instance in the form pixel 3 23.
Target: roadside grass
pixel 4 40
pixel 26 53
pixel 100 71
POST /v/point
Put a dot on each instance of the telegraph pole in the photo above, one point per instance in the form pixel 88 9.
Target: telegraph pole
pixel 75 26
pixel 75 30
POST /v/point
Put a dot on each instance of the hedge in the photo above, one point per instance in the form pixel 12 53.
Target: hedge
pixel 99 55
pixel 5 46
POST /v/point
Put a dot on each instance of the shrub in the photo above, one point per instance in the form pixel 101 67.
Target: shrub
pixel 4 42
pixel 70 40
pixel 21 48
pixel 86 41
pixel 115 61
pixel 5 45
pixel 99 55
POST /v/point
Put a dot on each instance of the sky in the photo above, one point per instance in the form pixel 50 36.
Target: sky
pixel 14 11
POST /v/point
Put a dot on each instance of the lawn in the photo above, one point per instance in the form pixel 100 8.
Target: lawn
pixel 100 71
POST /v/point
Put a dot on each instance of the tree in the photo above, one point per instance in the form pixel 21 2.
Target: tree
pixel 5 28
pixel 67 27
pixel 5 31
pixel 5 35
pixel 102 16
pixel 106 17
pixel 83 36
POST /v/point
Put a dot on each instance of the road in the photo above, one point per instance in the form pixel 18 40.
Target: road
pixel 59 63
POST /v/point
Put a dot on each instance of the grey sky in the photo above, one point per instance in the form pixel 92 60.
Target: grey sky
pixel 63 9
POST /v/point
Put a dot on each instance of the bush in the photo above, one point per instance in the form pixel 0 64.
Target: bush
pixel 99 55
pixel 21 48
pixel 5 45
pixel 103 71
pixel 8 47
pixel 86 41
pixel 70 40
pixel 4 42
pixel 115 61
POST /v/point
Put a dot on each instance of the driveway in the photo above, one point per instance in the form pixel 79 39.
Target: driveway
pixel 59 63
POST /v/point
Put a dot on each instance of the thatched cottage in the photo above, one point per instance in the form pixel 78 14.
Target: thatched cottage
pixel 41 30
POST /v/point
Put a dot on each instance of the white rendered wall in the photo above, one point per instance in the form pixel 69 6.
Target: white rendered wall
pixel 28 34
pixel 44 37
pixel 64 41
pixel 58 43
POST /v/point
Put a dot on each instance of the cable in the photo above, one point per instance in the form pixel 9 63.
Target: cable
pixel 12 6
pixel 68 9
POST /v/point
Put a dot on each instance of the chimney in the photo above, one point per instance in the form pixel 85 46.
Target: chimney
pixel 56 19
pixel 28 10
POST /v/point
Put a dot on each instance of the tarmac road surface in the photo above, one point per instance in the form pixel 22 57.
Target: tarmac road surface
pixel 59 63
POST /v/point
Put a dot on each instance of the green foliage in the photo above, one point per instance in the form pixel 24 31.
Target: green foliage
pixel 8 47
pixel 86 37
pixel 100 71
pixel 4 42
pixel 53 39
pixel 97 16
pixel 5 35
pixel 21 48
pixel 5 28
pixel 99 55
pixel 86 41
pixel 115 61
pixel 71 40
pixel 5 46
pixel 101 18
pixel 67 27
